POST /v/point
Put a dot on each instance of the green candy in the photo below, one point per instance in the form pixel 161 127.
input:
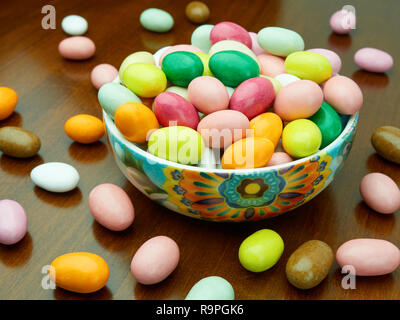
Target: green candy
pixel 156 20
pixel 211 288
pixel 181 67
pixel 328 122
pixel 233 67
pixel 112 95
pixel 178 144
pixel 261 250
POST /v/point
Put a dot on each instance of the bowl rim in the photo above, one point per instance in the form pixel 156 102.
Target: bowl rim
pixel 109 123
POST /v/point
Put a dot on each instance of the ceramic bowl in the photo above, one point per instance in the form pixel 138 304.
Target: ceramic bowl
pixel 231 195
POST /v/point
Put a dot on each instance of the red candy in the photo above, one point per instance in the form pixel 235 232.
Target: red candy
pixel 169 106
pixel 253 97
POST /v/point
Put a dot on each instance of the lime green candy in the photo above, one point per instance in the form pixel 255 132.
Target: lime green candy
pixel 261 250
pixel 211 288
pixel 177 143
pixel 205 58
pixel 181 67
pixel 144 79
pixel 233 67
pixel 308 65
pixel 328 122
pixel 301 138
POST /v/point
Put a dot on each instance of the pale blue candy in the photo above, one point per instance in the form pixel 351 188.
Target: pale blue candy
pixel 201 37
pixel 280 41
pixel 156 20
pixel 211 288
pixel 111 95
pixel 74 25
pixel 230 91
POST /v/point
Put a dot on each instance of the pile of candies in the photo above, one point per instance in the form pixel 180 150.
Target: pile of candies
pixel 247 95
pixel 214 94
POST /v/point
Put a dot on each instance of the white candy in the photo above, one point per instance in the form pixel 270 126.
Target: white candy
pixel 55 177
pixel 74 25
pixel 286 78
pixel 158 55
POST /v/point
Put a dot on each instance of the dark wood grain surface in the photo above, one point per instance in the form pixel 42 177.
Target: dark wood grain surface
pixel 52 89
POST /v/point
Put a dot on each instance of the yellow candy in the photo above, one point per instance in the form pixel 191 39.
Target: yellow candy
pixel 204 57
pixel 137 57
pixel 308 65
pixel 301 138
pixel 144 79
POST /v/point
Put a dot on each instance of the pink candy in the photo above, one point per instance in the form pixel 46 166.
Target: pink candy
pixel 373 60
pixel 230 31
pixel 77 48
pixel 13 222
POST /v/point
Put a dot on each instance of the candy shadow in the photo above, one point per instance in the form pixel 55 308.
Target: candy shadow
pixel 375 163
pixel 88 153
pixel 370 80
pixel 19 167
pixel 154 41
pixel 62 200
pixel 339 42
pixel 373 221
pixel 15 120
pixel 114 240
pixel 102 294
pixel 18 254
pixel 159 291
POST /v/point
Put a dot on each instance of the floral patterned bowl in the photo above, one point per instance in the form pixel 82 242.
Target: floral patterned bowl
pixel 230 195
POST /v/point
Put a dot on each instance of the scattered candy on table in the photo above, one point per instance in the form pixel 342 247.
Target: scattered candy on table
pixel 368 257
pixel 77 48
pixel 84 128
pixel 55 177
pixel 380 192
pixel 155 260
pixel 156 20
pixel 81 272
pixel 309 264
pixel 19 143
pixel 13 222
pixel 197 12
pixel 74 25
pixel 261 250
pixel 111 207
pixel 386 142
pixel 211 288
pixel 373 60
pixel 8 102
pixel 342 21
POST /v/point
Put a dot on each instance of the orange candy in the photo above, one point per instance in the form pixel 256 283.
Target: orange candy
pixel 267 125
pixel 8 102
pixel 81 272
pixel 84 128
pixel 252 152
pixel 135 121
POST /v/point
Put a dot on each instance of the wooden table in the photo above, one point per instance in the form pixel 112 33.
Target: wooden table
pixel 52 89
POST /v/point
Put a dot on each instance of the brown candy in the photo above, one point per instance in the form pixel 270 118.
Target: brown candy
pixel 19 143
pixel 197 12
pixel 309 264
pixel 386 141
